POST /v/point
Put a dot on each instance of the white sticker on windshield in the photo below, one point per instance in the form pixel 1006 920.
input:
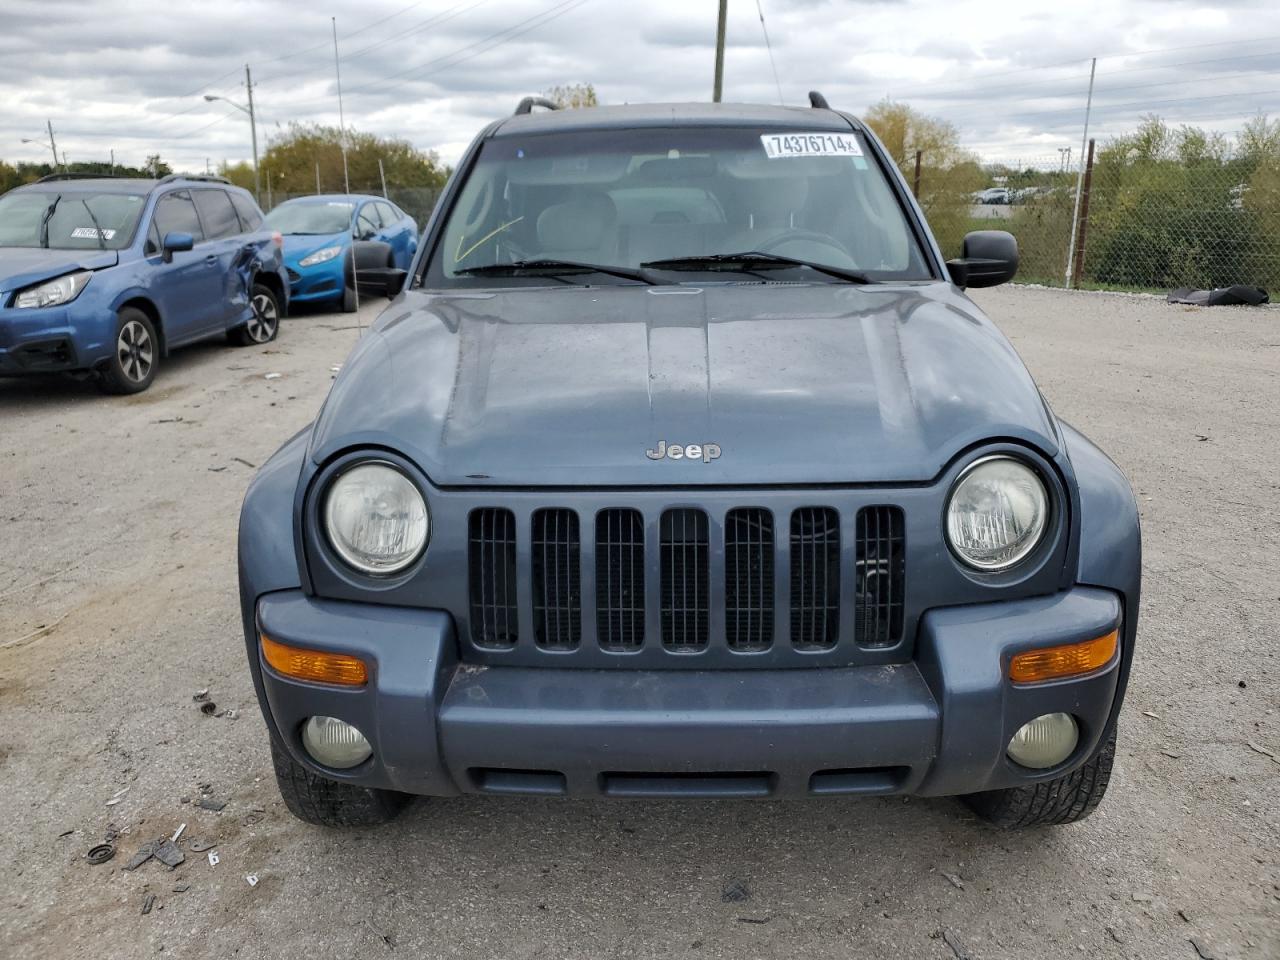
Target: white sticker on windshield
pixel 777 145
pixel 89 233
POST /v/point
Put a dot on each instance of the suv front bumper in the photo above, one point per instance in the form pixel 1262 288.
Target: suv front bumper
pixel 937 725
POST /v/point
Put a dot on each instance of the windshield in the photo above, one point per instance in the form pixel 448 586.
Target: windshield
pixel 624 198
pixel 330 216
pixel 72 224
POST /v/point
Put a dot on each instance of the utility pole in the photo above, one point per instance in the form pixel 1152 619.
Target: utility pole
pixel 317 178
pixel 113 161
pixel 1075 214
pixel 253 127
pixel 720 25
pixel 383 174
pixel 346 175
pixel 53 144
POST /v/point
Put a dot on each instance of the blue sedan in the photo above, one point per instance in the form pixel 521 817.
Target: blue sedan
pixel 336 242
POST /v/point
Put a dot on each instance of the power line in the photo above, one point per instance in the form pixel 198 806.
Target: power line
pixel 768 46
pixel 455 57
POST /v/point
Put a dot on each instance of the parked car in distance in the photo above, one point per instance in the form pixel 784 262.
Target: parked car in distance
pixel 684 467
pixel 992 195
pixel 331 240
pixel 103 277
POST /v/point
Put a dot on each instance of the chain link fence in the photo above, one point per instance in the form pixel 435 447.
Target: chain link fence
pixel 1145 222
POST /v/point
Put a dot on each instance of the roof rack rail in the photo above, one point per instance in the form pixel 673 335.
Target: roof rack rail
pixel 78 176
pixel 202 177
pixel 818 101
pixel 528 103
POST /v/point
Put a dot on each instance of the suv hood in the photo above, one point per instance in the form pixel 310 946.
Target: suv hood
pixel 796 384
pixel 20 267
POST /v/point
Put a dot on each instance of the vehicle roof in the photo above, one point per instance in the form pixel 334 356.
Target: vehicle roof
pixel 335 198
pixel 628 116
pixel 142 185
pixel 103 185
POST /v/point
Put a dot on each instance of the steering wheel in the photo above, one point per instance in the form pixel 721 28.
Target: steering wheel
pixel 812 236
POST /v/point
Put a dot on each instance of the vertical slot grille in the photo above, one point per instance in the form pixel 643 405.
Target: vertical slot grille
pixel 815 578
pixel 685 581
pixel 748 578
pixel 557 583
pixel 880 576
pixel 620 579
pixel 491 559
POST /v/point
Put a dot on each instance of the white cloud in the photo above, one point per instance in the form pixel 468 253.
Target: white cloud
pixel 130 75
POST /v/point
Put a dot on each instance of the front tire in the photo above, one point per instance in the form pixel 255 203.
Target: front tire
pixel 1066 799
pixel 265 322
pixel 132 365
pixel 328 803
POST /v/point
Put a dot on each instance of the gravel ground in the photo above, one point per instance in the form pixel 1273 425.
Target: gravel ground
pixel 117 535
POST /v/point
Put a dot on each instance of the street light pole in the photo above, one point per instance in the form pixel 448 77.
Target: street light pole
pixel 253 127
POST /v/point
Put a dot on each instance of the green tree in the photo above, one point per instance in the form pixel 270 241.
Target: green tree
pixel 292 159
pixel 948 173
pixel 573 96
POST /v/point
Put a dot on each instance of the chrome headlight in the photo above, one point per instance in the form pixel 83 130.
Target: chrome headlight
pixel 997 513
pixel 54 292
pixel 320 256
pixel 375 518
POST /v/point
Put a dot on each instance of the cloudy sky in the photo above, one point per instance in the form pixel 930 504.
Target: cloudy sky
pixel 1012 76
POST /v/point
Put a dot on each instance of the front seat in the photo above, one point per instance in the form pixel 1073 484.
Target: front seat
pixel 583 229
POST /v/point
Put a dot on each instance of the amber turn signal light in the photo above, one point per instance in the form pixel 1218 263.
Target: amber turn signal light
pixel 316 666
pixel 1068 660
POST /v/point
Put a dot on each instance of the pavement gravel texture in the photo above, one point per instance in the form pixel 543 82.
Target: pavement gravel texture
pixel 118 607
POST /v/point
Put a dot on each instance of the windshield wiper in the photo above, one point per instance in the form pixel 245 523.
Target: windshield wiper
pixel 751 261
pixel 102 243
pixel 44 221
pixel 555 268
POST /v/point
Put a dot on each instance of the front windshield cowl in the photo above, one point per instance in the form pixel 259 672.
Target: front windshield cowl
pixel 817 204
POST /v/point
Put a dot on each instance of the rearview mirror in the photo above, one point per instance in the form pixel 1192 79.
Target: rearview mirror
pixel 990 258
pixel 176 243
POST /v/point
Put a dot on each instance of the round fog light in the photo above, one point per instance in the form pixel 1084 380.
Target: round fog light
pixel 1044 742
pixel 335 743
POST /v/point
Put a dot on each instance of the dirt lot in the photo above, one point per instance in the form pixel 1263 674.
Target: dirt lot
pixel 117 534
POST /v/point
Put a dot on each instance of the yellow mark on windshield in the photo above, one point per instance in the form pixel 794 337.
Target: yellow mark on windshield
pixel 461 255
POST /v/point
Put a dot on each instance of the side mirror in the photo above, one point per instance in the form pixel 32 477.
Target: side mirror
pixel 176 243
pixel 990 258
pixel 396 280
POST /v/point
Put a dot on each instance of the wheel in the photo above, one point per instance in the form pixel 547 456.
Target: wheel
pixel 348 299
pixel 265 322
pixel 1065 800
pixel 133 363
pixel 328 803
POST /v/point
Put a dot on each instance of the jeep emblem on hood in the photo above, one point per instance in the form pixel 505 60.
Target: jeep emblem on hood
pixel 706 452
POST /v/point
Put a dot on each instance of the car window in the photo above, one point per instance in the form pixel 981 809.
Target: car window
pixel 365 222
pixel 389 216
pixel 216 214
pixel 176 213
pixel 626 197
pixel 250 216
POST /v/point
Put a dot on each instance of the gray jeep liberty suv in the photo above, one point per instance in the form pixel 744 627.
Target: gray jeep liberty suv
pixel 683 467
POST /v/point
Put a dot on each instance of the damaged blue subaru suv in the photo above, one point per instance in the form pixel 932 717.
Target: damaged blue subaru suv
pixel 102 277
pixel 682 466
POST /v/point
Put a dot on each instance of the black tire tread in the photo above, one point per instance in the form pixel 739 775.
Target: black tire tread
pixel 1066 799
pixel 328 803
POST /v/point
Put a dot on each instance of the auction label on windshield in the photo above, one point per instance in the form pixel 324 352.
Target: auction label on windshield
pixel 778 145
